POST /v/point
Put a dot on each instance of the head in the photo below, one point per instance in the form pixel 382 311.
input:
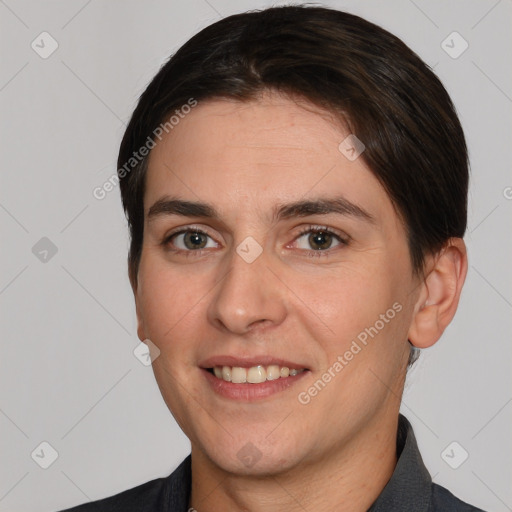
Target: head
pixel 252 133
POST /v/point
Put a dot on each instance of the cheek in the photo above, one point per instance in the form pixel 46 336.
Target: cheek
pixel 167 300
pixel 348 299
pixel 362 311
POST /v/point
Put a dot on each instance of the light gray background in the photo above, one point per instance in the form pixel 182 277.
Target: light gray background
pixel 68 375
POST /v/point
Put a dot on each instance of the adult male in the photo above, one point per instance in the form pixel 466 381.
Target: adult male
pixel 296 233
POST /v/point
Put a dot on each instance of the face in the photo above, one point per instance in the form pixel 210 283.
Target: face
pixel 267 251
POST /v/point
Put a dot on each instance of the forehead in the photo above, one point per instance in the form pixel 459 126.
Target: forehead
pixel 272 126
pixel 253 155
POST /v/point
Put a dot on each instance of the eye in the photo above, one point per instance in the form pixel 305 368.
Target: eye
pixel 319 239
pixel 190 240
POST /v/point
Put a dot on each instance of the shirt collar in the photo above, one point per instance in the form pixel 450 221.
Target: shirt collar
pixel 409 488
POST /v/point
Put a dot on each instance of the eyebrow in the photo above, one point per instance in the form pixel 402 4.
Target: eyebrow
pixel 322 206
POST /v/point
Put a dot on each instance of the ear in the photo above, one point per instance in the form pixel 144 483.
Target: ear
pixel 141 333
pixel 140 320
pixel 439 295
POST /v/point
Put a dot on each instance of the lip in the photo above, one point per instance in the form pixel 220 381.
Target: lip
pixel 247 392
pixel 248 362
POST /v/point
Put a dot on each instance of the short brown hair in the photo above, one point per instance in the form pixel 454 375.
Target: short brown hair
pixel 388 97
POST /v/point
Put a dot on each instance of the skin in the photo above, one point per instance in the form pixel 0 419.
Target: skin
pixel 338 451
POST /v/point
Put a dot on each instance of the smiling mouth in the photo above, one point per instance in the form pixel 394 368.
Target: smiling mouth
pixel 254 374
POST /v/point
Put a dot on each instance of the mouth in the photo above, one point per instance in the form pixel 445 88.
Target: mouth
pixel 255 374
pixel 252 379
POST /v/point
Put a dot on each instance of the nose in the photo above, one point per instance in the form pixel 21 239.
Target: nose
pixel 250 296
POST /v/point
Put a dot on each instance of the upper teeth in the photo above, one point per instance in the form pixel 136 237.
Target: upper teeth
pixel 255 374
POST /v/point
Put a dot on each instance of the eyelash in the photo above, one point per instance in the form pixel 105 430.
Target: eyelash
pixel 189 229
pixel 344 240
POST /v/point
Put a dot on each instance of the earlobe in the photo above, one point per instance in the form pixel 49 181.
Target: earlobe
pixel 140 322
pixel 141 333
pixel 439 297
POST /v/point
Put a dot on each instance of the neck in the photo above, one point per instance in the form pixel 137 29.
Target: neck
pixel 349 478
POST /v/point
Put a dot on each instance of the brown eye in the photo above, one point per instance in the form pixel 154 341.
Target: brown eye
pixel 190 240
pixel 320 240
pixel 194 240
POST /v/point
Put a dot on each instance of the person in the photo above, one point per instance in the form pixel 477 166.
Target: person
pixel 295 182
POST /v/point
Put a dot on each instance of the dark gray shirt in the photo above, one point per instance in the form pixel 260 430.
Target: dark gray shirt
pixel 410 488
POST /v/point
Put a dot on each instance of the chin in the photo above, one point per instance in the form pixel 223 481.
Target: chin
pixel 252 455
pixel 250 461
